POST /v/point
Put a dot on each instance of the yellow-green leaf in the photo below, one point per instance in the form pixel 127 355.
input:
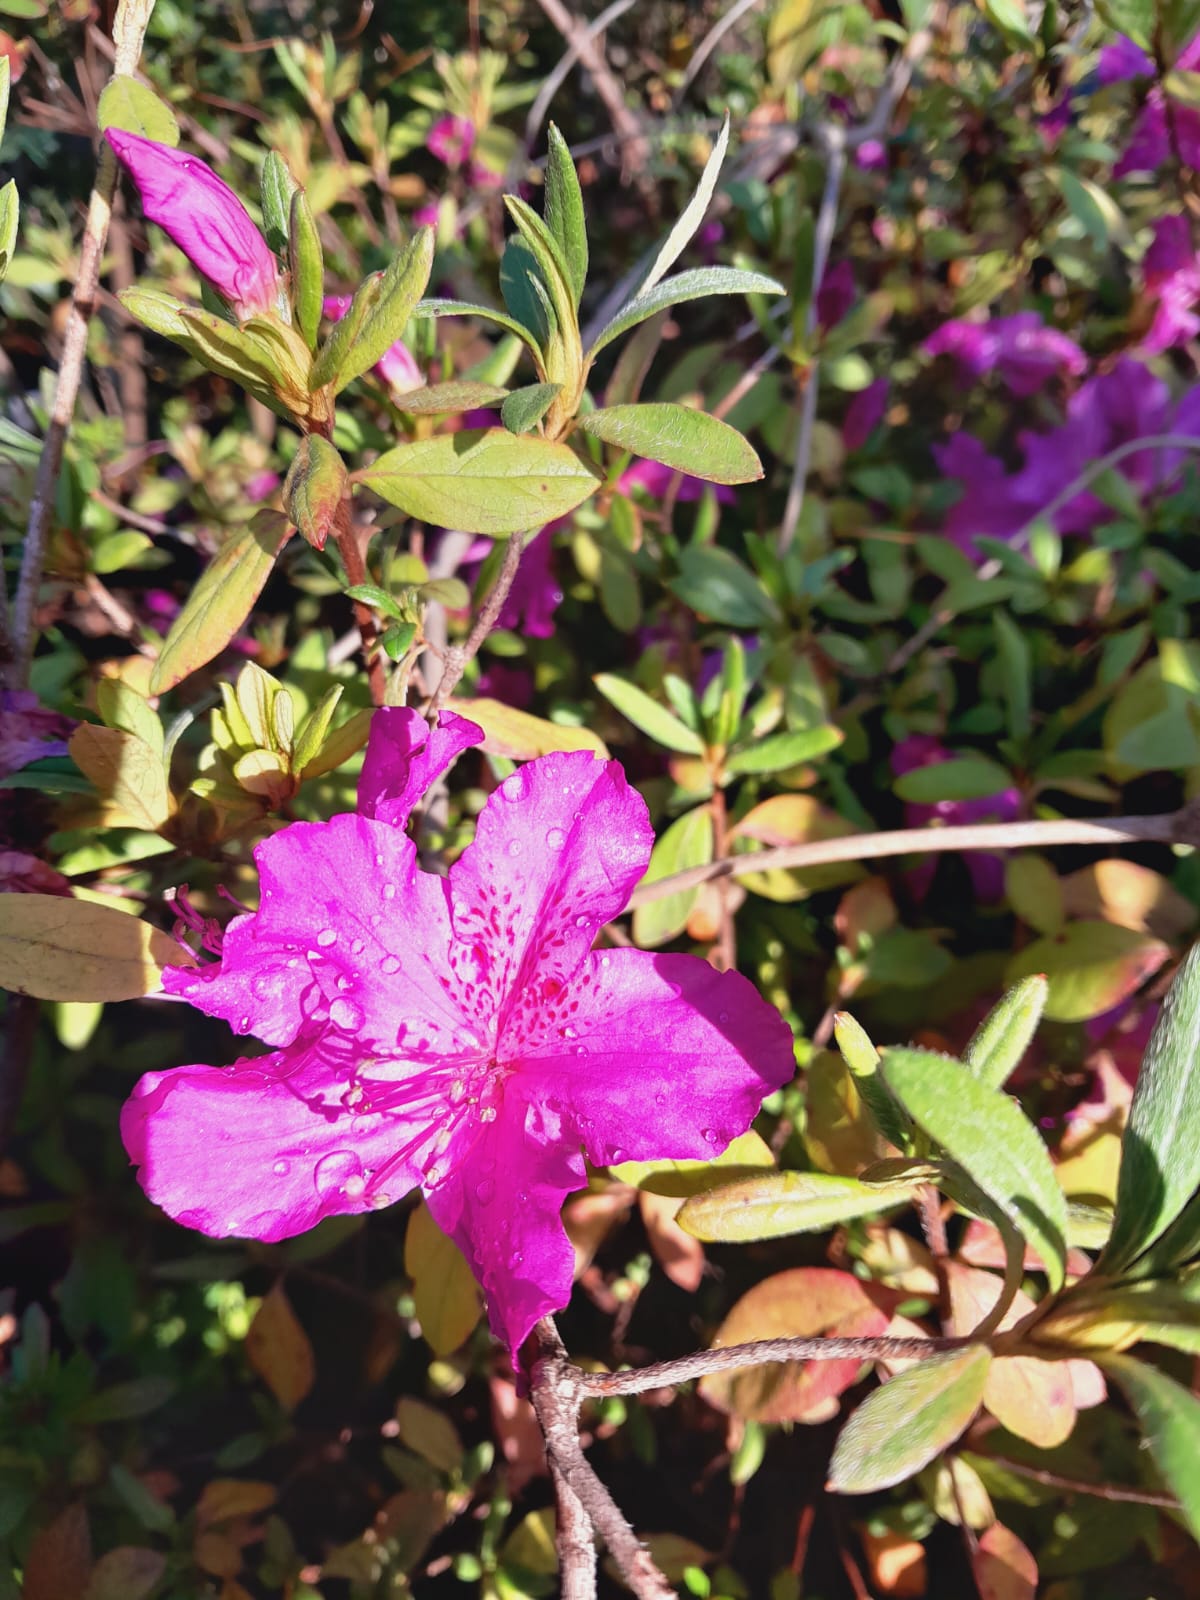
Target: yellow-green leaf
pixel 521 736
pixel 133 107
pixel 444 1287
pixel 61 949
pixel 783 1203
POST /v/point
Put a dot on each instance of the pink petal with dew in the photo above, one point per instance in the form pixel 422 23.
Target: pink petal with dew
pixel 205 218
pixel 558 849
pixel 405 757
pixel 264 1149
pixel 651 1055
pixel 501 1207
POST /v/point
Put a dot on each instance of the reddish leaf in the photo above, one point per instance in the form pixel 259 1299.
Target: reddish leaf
pixel 278 1349
pixel 59 1562
pixel 1004 1569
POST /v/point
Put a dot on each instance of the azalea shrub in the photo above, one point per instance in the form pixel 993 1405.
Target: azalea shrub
pixel 598 746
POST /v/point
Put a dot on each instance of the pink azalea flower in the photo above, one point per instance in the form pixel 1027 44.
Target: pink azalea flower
pixel 836 294
pixel 865 412
pixel 28 731
pixel 535 595
pixel 451 140
pixel 457 1034
pixel 1171 274
pixel 655 479
pixel 1026 353
pixel 1121 61
pixel 1158 124
pixel 205 219
pixel 397 365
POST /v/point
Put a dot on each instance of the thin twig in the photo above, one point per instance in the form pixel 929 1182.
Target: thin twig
pixel 129 29
pixel 458 655
pixel 1171 827
pixel 578 41
pixel 759 1353
pixel 346 537
pixel 1099 1491
pixel 584 47
pixel 557 1392
pixel 709 43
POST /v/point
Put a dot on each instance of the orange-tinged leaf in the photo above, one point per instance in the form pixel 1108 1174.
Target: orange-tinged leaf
pixel 128 774
pixel 56 948
pixel 679 1255
pixel 1091 967
pixel 59 1563
pixel 225 1498
pixel 1004 1568
pixel 444 1287
pixel 1123 892
pixel 1032 1398
pixel 896 1564
pixel 278 1349
pixel 795 819
pixel 589 1218
pixel 128 1572
pixel 802 1302
pixel 521 736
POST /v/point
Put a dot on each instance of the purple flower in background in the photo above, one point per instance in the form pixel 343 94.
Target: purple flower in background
pixel 28 731
pixel 205 219
pixel 989 503
pixel 1171 275
pixel 451 140
pixel 456 1034
pixel 655 479
pixel 986 869
pixel 1022 348
pixel 865 412
pixel 871 155
pixel 535 595
pixel 1158 125
pixel 396 366
pixel 836 294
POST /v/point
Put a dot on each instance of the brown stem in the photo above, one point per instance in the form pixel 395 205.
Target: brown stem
pixel 574 1541
pixel 1171 827
pixel 1099 1491
pixel 664 1374
pixel 458 655
pixel 129 29
pixel 557 1391
pixel 346 537
pixel 591 53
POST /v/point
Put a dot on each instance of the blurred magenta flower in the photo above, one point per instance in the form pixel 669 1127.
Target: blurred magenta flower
pixel 456 1034
pixel 205 219
pixel 656 479
pixel 535 595
pixel 871 155
pixel 989 503
pixel 1022 348
pixel 865 412
pixel 451 140
pixel 1164 121
pixel 836 294
pixel 28 731
pixel 396 366
pixel 986 869
pixel 1171 275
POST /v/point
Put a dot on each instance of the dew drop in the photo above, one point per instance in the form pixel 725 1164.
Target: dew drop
pixel 723 1016
pixel 326 937
pixel 354 1186
pixel 513 788
pixel 485 1189
pixel 606 961
pixel 660 1100
pixel 457 1089
pixel 515 1259
pixel 434 1175
pixel 514 847
pixel 334 1171
pixel 710 1136
pixel 389 891
pixel 243 1025
pixel 488 1114
pixel 582 922
pixel 280 1168
pixel 616 1155
pixel 555 838
pixel 357 948
pixel 390 964
pixel 344 1013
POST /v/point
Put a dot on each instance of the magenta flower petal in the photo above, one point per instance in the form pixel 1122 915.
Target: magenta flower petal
pixel 405 757
pixel 1123 60
pixel 865 412
pixel 205 218
pixel 265 1149
pixel 451 139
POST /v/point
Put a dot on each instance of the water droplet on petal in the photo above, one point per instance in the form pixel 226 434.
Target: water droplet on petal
pixel 344 1013
pixel 388 891
pixel 357 948
pixel 280 1168
pixel 354 1186
pixel 514 847
pixel 334 1171
pixel 515 1260
pixel 243 1025
pixel 326 937
pixel 485 1189
pixel 513 787
pixel 555 838
pixel 390 964
pixel 616 1155
pixel 710 1136
pixel 723 1016
pixel 488 1114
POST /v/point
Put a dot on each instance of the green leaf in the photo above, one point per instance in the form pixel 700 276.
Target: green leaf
pixel 1169 1416
pixel 376 319
pixel 136 1397
pixel 60 949
pixel 963 778
pixel 747 1156
pixel 133 107
pixel 991 1139
pixel 221 600
pixel 784 750
pixel 782 1203
pixel 715 584
pixel 653 719
pixel 690 441
pixel 448 399
pixel 127 771
pixel 1034 891
pixel 1137 18
pixel 688 842
pixel 564 211
pixel 314 730
pixel 525 294
pixel 307 262
pixel 914 1417
pixel 525 408
pixel 489 482
pixel 1007 1031
pixel 1160 1150
pixel 276 188
pixel 5 87
pixel 696 284
pixel 467 308
pixel 692 216
pixel 10 216
pixel 313 488
pixel 520 736
pixel 1091 967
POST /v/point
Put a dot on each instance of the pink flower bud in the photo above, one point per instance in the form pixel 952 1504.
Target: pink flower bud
pixel 397 365
pixel 204 218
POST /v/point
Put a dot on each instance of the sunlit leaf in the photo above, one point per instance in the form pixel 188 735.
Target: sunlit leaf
pixel 678 436
pixel 1169 1416
pixel 61 949
pixel 783 1203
